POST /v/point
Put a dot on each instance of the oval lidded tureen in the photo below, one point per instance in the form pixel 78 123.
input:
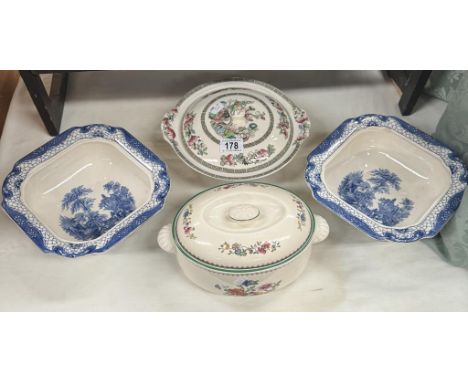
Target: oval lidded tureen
pixel 243 238
pixel 236 129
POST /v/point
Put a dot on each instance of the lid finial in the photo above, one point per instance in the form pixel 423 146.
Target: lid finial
pixel 244 212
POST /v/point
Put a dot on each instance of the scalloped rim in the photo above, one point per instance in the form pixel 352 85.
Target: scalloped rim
pixel 42 236
pixel 438 215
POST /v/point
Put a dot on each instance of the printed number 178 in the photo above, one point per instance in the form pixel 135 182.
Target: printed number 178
pixel 231 145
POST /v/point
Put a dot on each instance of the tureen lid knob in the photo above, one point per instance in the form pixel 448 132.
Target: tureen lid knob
pixel 243 212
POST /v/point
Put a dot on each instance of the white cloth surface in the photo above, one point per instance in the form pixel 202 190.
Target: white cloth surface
pixel 347 272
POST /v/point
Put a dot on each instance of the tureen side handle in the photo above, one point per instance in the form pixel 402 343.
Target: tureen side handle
pixel 165 239
pixel 321 229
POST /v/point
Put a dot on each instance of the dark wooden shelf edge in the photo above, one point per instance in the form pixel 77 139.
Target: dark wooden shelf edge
pixel 49 106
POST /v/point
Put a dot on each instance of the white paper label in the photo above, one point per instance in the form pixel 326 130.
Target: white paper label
pixel 231 145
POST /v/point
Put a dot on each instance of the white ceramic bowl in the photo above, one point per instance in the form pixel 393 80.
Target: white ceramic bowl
pixel 243 239
pixel 85 190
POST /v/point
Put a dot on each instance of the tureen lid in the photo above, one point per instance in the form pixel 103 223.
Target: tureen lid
pixel 243 225
pixel 237 129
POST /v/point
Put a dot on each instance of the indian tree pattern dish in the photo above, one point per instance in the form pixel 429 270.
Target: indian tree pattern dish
pixel 230 186
pixel 253 156
pixel 87 223
pixel 283 123
pixel 193 140
pixel 248 287
pixel 224 114
pixel 270 127
pixel 85 190
pixel 387 178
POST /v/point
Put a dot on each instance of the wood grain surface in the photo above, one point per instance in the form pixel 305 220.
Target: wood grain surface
pixel 8 81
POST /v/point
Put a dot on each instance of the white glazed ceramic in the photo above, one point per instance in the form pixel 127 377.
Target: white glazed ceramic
pixel 387 178
pixel 85 190
pixel 270 127
pixel 243 238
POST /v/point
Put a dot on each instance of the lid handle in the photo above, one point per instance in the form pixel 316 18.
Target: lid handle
pixel 243 212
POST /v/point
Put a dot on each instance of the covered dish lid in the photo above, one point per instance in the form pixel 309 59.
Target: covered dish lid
pixel 243 225
pixel 237 129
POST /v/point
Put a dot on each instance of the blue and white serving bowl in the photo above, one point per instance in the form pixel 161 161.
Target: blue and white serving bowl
pixel 85 190
pixel 387 178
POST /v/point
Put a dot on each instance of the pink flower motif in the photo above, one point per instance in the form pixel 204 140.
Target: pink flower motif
pixel 187 230
pixel 230 159
pixel 236 292
pixel 230 129
pixel 265 286
pixel 188 119
pixel 170 133
pixel 262 152
pixel 219 117
pixel 192 140
pixel 301 119
pixel 264 248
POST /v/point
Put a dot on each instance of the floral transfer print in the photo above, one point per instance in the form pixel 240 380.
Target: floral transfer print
pixel 167 122
pixel 193 140
pixel 234 119
pixel 251 157
pixel 301 213
pixel 229 186
pixel 88 224
pixel 258 248
pixel 301 118
pixel 363 194
pixel 187 223
pixel 248 288
pixel 235 185
pixel 283 124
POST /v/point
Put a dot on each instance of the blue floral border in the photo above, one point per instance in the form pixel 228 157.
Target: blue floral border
pixel 45 239
pixel 439 214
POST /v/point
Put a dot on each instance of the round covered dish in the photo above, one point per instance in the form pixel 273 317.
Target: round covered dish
pixel 243 238
pixel 236 130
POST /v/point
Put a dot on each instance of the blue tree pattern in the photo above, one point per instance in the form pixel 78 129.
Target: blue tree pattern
pixel 87 224
pixel 361 194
